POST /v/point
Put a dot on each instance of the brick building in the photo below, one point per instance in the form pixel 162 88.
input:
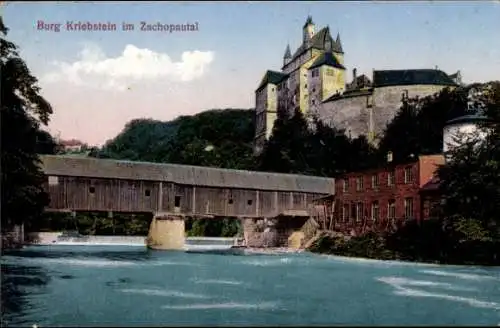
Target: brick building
pixel 383 195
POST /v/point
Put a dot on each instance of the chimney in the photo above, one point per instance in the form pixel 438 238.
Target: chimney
pixel 354 78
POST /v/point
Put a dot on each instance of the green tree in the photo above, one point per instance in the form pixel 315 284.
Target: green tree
pixel 417 128
pixel 23 110
pixel 471 178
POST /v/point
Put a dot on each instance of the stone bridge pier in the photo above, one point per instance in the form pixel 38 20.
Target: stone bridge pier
pixel 166 232
pixel 271 232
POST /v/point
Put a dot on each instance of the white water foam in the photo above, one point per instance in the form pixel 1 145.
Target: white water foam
pixel 468 300
pixel 399 281
pixel 216 281
pixel 164 293
pixel 465 276
pixel 268 262
pixel 398 284
pixel 82 262
pixel 162 263
pixel 360 260
pixel 231 306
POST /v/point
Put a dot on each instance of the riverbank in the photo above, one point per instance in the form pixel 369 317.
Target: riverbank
pixel 414 248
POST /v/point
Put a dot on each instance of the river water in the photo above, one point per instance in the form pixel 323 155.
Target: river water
pixel 133 286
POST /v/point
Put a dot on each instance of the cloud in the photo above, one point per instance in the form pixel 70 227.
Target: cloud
pixel 93 68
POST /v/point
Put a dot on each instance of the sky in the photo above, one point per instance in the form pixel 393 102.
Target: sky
pixel 97 81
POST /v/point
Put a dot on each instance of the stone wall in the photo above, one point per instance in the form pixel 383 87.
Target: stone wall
pixel 354 114
pixel 274 232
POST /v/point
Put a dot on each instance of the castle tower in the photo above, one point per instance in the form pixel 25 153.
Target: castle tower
pixel 288 55
pixel 337 49
pixel 308 30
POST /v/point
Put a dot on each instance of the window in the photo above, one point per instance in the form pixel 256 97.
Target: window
pixel 345 212
pixel 375 210
pixel 359 211
pixel 313 102
pixel 305 86
pixel 230 201
pixel 147 192
pixel 272 89
pixel 391 209
pixel 353 210
pixel 92 190
pixel 345 185
pixel 177 201
pixel 314 90
pixel 408 208
pixel 408 175
pixel 315 72
pixel 249 202
pixel 375 181
pixel 53 181
pixel 359 183
pixel 329 72
pixel 390 178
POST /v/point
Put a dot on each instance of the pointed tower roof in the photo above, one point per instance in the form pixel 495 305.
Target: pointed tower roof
pixel 288 53
pixel 309 21
pixel 337 47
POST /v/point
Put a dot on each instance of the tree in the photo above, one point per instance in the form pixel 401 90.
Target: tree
pixel 23 110
pixel 288 148
pixel 471 178
pixel 417 128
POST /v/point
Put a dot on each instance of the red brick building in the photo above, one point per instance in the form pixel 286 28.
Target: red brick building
pixel 380 196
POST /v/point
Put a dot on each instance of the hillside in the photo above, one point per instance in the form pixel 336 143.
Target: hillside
pixel 218 138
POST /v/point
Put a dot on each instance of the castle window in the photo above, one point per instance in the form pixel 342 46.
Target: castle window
pixel 390 178
pixel 391 209
pixel 408 175
pixel 345 185
pixel 177 201
pixel 408 208
pixel 92 190
pixel 305 86
pixel 147 192
pixel 272 89
pixel 359 211
pixel 375 181
pixel 314 102
pixel 249 202
pixel 375 211
pixel 345 212
pixel 359 183
pixel 230 201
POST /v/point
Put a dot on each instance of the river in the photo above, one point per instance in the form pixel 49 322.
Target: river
pixel 133 286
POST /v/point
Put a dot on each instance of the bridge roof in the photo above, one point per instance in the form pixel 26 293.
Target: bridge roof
pixel 59 165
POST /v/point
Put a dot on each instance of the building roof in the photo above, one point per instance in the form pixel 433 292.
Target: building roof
pixel 337 46
pixel 431 185
pixel 288 53
pixel 59 165
pixel 350 94
pixel 411 77
pixel 327 59
pixel 272 77
pixel 71 142
pixel 318 42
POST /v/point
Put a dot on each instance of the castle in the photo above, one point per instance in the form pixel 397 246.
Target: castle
pixel 313 80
